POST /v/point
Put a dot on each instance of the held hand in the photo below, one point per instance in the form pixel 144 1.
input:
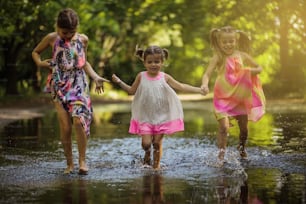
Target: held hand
pixel 205 89
pixel 202 92
pixel 99 84
pixel 116 79
pixel 256 70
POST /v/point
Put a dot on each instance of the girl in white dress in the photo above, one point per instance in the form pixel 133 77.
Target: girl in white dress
pixel 156 109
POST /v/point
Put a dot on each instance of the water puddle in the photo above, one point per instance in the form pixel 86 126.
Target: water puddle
pixel 32 162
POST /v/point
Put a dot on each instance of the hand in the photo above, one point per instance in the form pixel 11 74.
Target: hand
pixel 205 89
pixel 46 63
pixel 99 84
pixel 202 92
pixel 116 79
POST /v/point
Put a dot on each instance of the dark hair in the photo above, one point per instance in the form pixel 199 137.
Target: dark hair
pixel 151 50
pixel 68 19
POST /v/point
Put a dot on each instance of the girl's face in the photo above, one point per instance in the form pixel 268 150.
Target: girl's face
pixel 227 42
pixel 66 34
pixel 153 64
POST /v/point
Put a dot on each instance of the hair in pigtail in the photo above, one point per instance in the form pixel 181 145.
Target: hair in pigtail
pixel 165 53
pixel 214 37
pixel 244 41
pixel 139 53
pixel 151 50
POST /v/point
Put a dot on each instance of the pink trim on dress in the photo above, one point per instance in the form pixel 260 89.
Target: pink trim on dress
pixel 157 77
pixel 149 129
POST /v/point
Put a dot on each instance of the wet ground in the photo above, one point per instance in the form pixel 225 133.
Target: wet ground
pixel 32 161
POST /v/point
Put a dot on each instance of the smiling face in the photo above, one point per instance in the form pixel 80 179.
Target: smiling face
pixel 153 64
pixel 227 42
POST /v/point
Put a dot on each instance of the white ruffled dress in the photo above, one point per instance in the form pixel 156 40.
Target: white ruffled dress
pixel 156 109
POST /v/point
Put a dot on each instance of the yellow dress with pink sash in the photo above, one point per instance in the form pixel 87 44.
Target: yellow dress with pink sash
pixel 237 92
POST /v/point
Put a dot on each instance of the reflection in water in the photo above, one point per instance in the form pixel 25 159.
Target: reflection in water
pixel 282 132
pixel 34 134
pixel 231 194
pixel 152 189
pixel 75 192
pixel 22 133
pixel 30 152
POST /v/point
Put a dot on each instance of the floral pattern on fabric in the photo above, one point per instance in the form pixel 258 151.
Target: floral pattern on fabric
pixel 69 81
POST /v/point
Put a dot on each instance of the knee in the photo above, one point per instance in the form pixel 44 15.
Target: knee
pixel 146 146
pixel 77 121
pixel 156 145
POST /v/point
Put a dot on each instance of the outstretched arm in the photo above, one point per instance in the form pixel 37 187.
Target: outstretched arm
pixel 90 71
pixel 181 86
pixel 206 76
pixel 129 89
pixel 97 79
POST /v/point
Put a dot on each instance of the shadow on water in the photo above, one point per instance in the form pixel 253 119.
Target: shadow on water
pixel 32 161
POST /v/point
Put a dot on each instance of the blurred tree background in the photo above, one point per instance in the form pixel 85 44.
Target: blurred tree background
pixel 115 27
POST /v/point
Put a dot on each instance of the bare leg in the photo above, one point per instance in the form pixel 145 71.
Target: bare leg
pixel 158 150
pixel 146 143
pixel 243 136
pixel 82 144
pixel 65 135
pixel 222 136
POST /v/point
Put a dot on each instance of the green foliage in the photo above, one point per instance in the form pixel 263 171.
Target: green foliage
pixel 115 27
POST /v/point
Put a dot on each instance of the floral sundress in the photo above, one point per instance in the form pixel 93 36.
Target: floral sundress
pixel 69 84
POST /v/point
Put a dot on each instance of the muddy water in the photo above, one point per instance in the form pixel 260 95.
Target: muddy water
pixel 32 162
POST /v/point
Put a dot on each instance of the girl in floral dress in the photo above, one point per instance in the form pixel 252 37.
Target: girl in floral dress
pixel 68 84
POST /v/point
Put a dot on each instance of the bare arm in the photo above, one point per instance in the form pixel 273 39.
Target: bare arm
pixel 249 61
pixel 90 71
pixel 181 86
pixel 205 79
pixel 97 79
pixel 46 42
pixel 129 89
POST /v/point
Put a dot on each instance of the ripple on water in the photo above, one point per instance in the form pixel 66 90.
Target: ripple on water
pixel 114 160
pixel 181 158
